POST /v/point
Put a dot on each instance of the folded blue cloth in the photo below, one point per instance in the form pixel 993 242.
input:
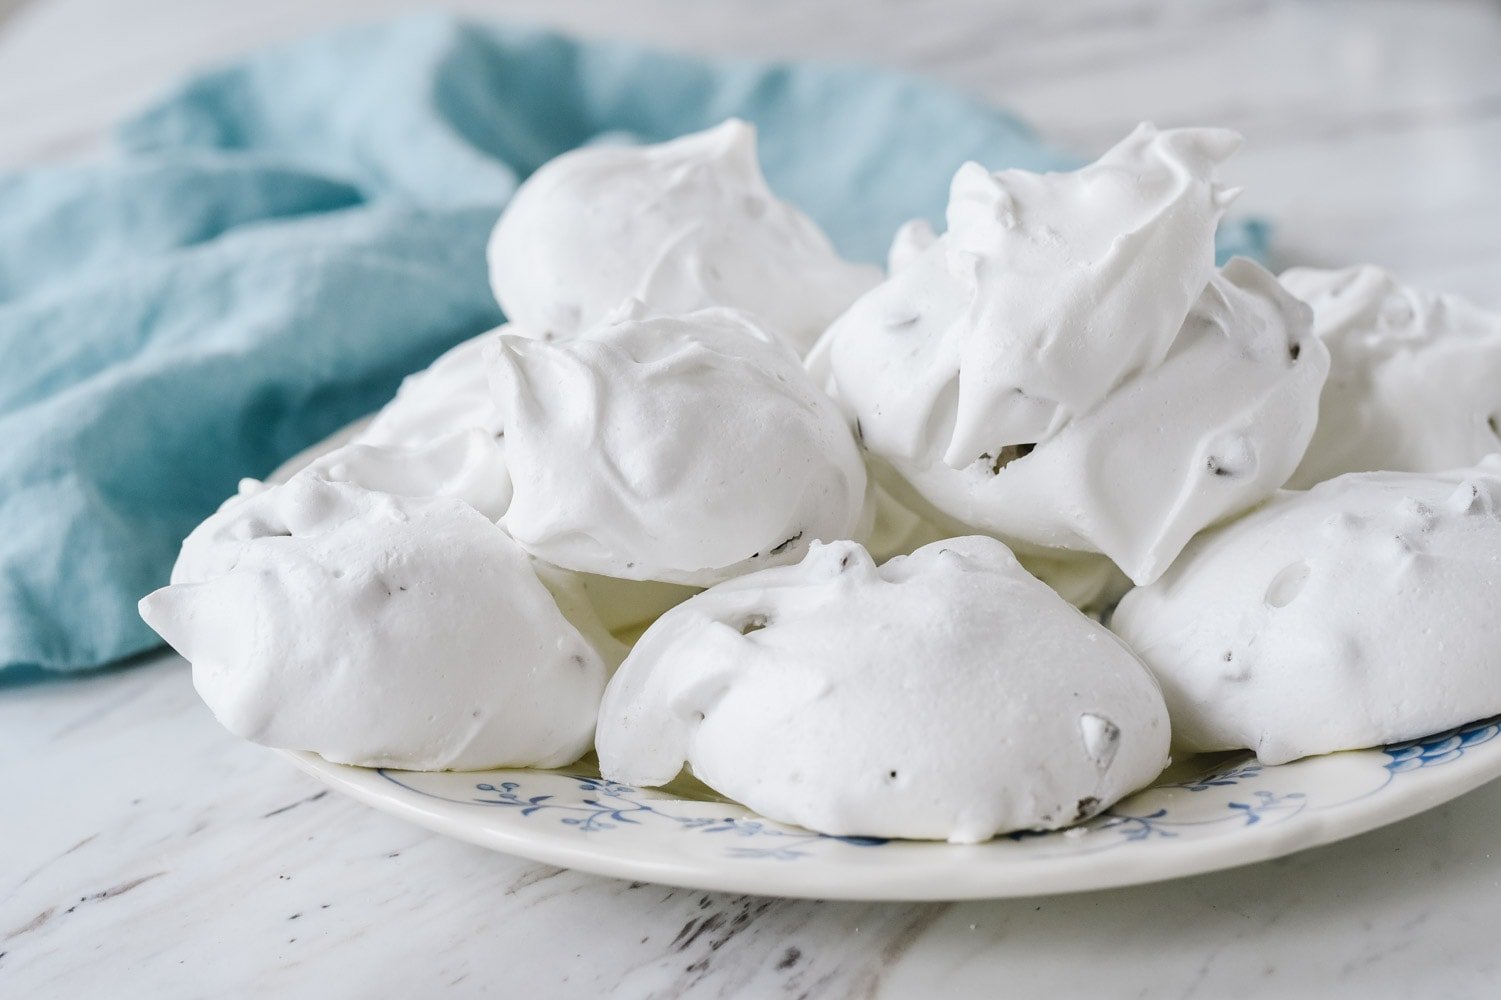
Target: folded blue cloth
pixel 280 241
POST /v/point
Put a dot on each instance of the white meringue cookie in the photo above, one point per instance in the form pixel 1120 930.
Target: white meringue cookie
pixel 680 226
pixel 1358 613
pixel 945 695
pixel 1046 292
pixel 378 630
pixel 680 449
pixel 1414 381
pixel 1212 429
pixel 1065 370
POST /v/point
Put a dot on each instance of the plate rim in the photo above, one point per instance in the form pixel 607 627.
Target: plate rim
pixel 922 881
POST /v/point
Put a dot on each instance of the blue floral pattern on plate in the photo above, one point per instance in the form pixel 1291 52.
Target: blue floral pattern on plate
pixel 611 804
pixel 1231 794
pixel 1430 751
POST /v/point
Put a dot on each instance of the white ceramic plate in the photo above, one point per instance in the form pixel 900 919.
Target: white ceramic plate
pixel 1208 814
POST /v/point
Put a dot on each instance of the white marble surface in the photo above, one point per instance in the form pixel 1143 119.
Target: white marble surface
pixel 145 852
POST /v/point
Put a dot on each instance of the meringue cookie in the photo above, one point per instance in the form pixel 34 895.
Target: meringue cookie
pixel 380 631
pixel 1065 370
pixel 945 695
pixel 1212 429
pixel 1358 613
pixel 680 449
pixel 1414 381
pixel 680 226
pixel 1046 292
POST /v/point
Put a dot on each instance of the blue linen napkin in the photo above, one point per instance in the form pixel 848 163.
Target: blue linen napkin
pixel 278 242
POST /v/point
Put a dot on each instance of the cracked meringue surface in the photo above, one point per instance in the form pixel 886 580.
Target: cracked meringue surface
pixel 378 630
pixel 682 449
pixel 680 226
pixel 1414 377
pixel 1065 369
pixel 944 695
pixel 1357 613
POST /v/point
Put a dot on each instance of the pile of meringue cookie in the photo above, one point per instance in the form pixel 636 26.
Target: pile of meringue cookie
pixel 845 545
